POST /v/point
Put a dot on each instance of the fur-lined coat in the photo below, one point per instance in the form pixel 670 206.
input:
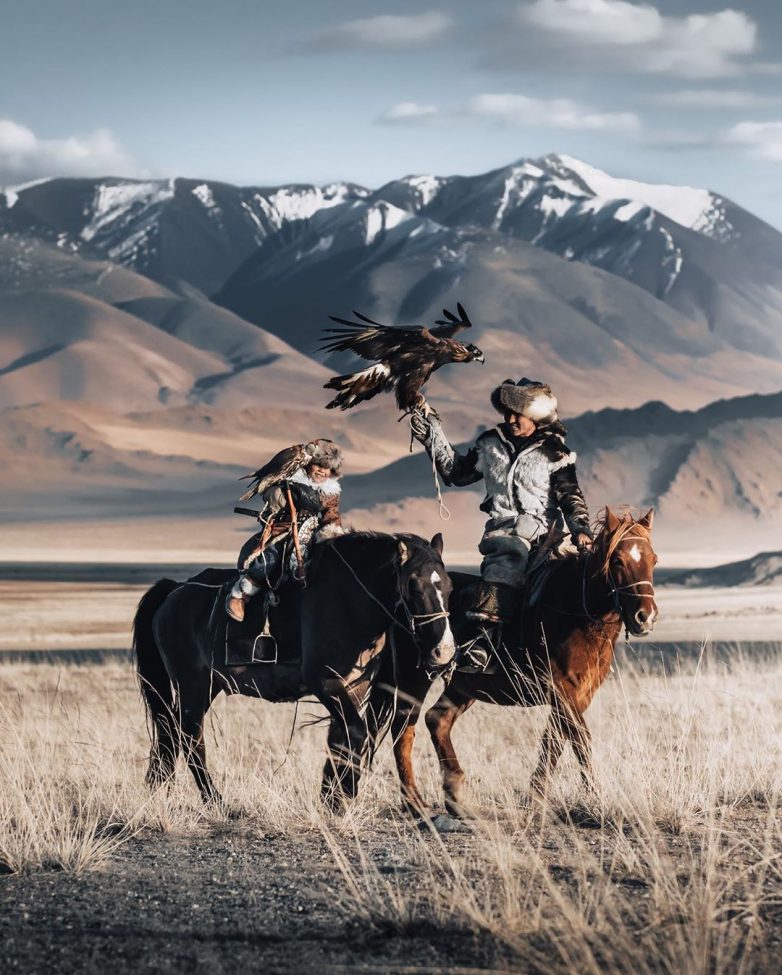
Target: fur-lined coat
pixel 318 498
pixel 528 481
pixel 317 509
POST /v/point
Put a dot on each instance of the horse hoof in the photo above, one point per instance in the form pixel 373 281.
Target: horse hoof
pixel 417 810
pixel 456 810
pixel 443 823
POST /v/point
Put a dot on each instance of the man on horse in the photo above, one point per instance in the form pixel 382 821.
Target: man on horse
pixel 300 508
pixel 531 484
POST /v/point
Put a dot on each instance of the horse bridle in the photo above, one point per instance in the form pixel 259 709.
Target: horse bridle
pixel 614 589
pixel 413 619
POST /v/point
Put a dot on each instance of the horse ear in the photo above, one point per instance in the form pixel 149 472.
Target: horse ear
pixel 646 521
pixel 404 553
pixel 437 543
pixel 612 522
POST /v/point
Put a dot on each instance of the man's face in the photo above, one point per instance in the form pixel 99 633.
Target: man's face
pixel 520 426
pixel 318 473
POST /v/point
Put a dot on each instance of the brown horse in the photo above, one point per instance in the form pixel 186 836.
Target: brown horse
pixel 568 638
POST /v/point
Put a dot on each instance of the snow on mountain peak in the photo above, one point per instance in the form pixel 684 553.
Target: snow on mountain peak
pixel 303 202
pixel 203 193
pixel 426 187
pixel 116 203
pixel 11 193
pixel 689 206
pixel 383 216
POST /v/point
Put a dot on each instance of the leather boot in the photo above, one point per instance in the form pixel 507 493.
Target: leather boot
pixel 494 604
pixel 236 600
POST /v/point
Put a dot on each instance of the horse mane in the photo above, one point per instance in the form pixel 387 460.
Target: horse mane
pixel 419 550
pixel 610 539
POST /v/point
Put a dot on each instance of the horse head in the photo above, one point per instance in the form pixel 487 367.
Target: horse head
pixel 627 560
pixel 424 593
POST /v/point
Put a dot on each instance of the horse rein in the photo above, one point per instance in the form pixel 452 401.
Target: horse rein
pixel 413 619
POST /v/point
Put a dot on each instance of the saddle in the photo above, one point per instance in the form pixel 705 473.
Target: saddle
pixel 253 641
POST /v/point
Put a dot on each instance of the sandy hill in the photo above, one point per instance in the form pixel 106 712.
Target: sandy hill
pixel 762 569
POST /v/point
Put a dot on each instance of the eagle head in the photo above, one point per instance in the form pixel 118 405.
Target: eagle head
pixel 475 353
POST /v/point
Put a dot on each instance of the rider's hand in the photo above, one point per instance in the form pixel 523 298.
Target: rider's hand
pixel 583 542
pixel 419 425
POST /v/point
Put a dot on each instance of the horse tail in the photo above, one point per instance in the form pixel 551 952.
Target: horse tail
pixel 154 682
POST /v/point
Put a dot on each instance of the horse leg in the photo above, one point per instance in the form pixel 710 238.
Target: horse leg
pixel 165 747
pixel 403 731
pixel 440 719
pixel 576 729
pixel 347 739
pixel 192 716
pixel 551 745
pixel 566 723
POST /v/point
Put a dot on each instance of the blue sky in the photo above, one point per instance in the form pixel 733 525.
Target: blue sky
pixel 263 93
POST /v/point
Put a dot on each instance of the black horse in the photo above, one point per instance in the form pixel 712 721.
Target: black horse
pixel 368 597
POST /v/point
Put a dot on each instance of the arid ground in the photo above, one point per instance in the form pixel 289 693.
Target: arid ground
pixel 675 867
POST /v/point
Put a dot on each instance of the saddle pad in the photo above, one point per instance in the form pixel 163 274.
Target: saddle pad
pixel 246 642
pixel 538 578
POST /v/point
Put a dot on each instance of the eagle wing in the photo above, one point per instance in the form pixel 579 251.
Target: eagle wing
pixel 375 342
pixel 282 466
pixel 450 325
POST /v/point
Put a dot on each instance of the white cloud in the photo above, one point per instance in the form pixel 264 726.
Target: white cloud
pixel 409 112
pixel 515 109
pixel 595 21
pixel 389 31
pixel 763 139
pixel 24 155
pixel 557 113
pixel 714 98
pixel 615 35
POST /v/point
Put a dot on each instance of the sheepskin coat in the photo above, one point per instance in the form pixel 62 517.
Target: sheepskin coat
pixel 528 481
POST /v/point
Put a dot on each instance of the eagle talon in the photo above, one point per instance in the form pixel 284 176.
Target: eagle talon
pixel 423 407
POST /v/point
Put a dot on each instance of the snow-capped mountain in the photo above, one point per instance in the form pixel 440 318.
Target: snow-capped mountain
pixel 197 231
pixel 565 265
pixel 603 337
pixel 689 247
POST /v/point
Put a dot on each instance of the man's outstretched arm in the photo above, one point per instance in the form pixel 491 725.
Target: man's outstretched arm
pixel 454 468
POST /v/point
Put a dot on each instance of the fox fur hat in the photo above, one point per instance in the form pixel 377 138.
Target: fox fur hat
pixel 325 453
pixel 528 398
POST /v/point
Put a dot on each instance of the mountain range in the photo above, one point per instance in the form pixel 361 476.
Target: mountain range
pixel 155 331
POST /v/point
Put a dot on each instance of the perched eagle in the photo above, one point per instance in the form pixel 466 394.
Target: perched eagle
pixel 404 358
pixel 285 464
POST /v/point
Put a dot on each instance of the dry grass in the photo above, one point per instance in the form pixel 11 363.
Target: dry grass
pixel 674 868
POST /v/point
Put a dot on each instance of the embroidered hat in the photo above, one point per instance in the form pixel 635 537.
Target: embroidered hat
pixel 528 398
pixel 325 453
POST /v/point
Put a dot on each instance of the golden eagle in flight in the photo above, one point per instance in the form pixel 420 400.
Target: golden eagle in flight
pixel 403 358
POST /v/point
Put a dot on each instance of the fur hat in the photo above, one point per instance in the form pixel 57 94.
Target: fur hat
pixel 528 398
pixel 325 453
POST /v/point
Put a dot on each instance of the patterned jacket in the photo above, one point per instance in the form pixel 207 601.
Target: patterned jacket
pixel 319 500
pixel 528 481
pixel 318 515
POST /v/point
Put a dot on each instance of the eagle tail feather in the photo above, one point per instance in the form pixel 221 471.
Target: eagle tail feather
pixel 356 387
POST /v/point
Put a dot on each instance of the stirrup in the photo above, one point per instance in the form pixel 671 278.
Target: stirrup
pixel 473 655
